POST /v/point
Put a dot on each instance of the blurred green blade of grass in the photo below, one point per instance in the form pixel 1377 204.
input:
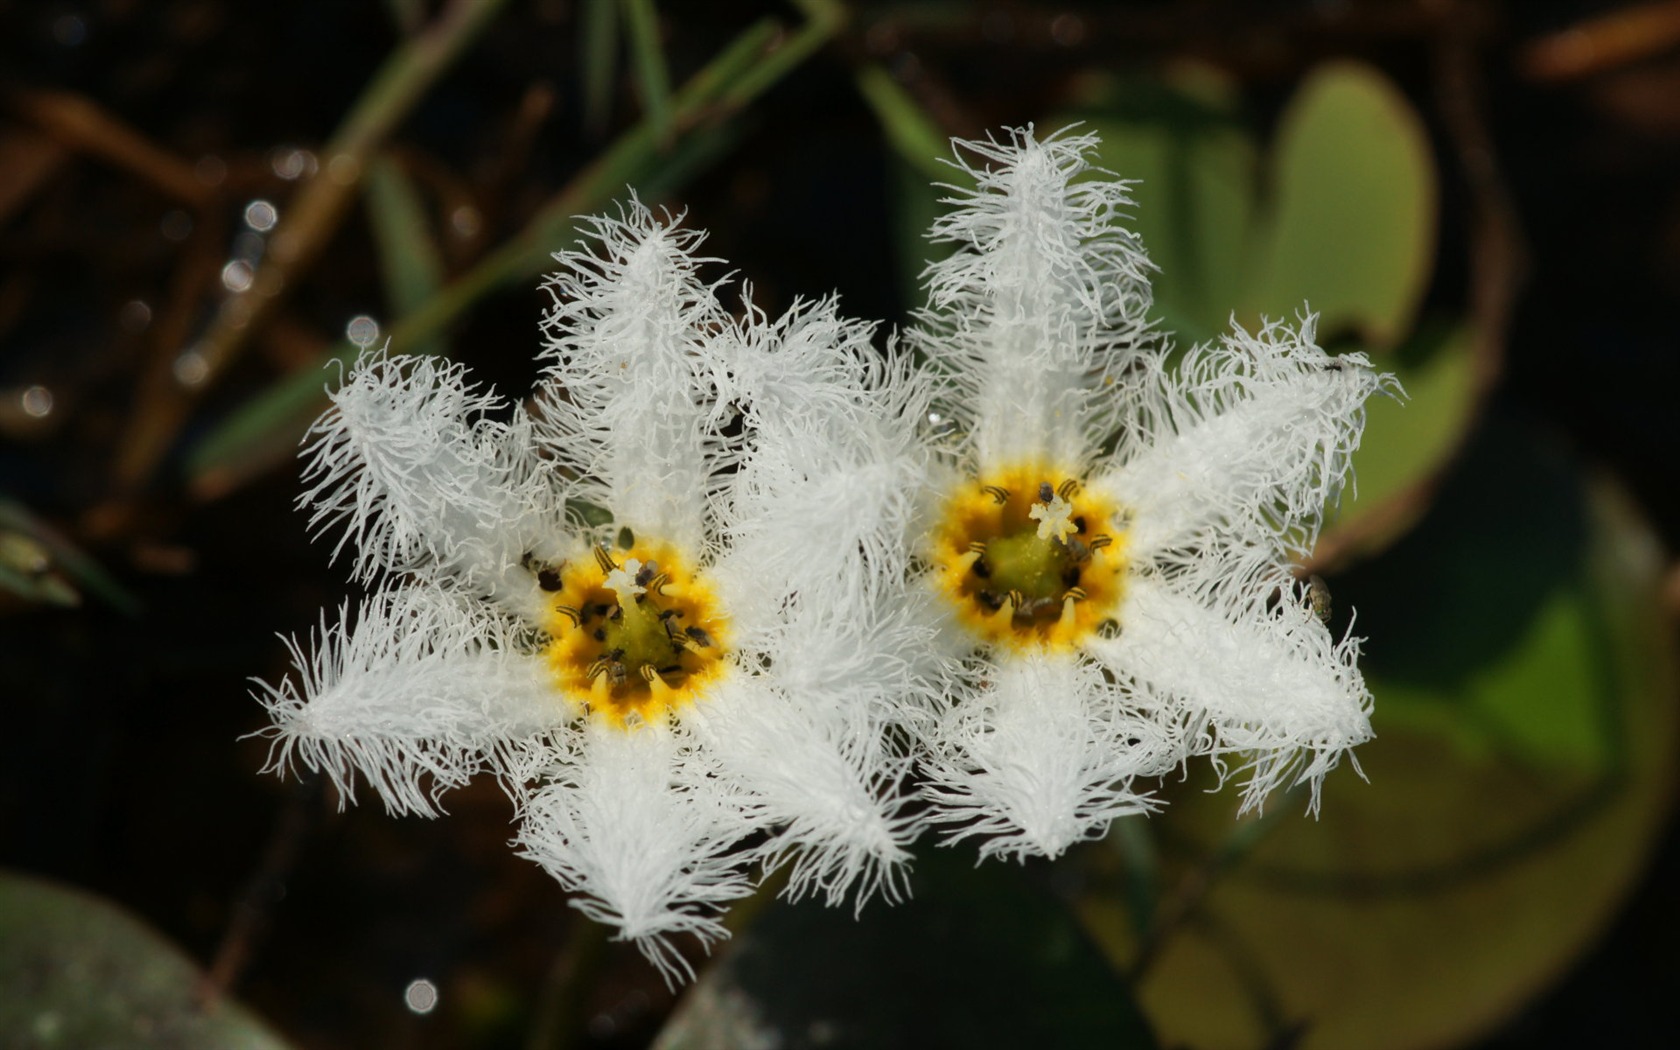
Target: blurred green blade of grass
pixel 306 226
pixel 914 135
pixel 407 15
pixel 409 261
pixel 259 433
pixel 647 56
pixel 598 56
pixel 39 564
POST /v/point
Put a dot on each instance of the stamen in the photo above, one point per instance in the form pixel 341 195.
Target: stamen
pixel 1020 570
pixel 571 614
pixel 1001 620
pixel 1054 516
pixel 626 581
pixel 604 560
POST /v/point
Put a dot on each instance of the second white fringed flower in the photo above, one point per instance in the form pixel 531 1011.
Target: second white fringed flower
pixel 724 660
pixel 1114 534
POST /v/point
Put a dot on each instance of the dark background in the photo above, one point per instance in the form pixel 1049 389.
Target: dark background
pixel 122 767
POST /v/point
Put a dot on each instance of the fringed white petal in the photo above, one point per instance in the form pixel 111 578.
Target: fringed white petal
pixel 827 493
pixel 1244 672
pixel 1254 436
pixel 1041 756
pixel 408 467
pixel 627 396
pixel 814 756
pixel 416 695
pixel 1044 292
pixel 642 827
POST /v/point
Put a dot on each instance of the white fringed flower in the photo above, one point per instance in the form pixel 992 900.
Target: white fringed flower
pixel 1113 550
pixel 726 659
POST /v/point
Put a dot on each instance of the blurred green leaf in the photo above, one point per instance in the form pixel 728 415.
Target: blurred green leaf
pixel 914 135
pixel 980 957
pixel 647 57
pixel 598 54
pixel 408 256
pixel 1195 169
pixel 1524 675
pixel 1351 227
pixel 76 971
pixel 1409 440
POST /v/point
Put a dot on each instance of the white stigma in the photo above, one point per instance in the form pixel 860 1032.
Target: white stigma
pixel 1055 519
pixel 622 581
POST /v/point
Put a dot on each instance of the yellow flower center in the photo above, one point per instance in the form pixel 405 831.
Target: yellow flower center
pixel 635 635
pixel 1029 558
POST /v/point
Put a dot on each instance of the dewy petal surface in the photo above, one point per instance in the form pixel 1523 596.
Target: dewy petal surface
pixel 417 694
pixel 641 825
pixel 1045 283
pixel 627 395
pixel 1269 686
pixel 1259 429
pixel 1041 756
pixel 409 464
pixel 1123 611
pixel 713 678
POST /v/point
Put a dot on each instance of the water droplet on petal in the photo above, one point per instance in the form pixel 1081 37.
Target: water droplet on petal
pixel 236 276
pixel 261 215
pixel 37 401
pixel 135 316
pixel 362 330
pixel 421 996
pixel 191 368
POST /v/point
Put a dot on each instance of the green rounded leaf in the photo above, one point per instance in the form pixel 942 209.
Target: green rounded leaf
pixel 1524 676
pixel 77 971
pixel 1351 228
pixel 1408 440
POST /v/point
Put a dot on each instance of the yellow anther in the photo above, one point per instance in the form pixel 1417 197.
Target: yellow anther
pixel 604 560
pixel 999 495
